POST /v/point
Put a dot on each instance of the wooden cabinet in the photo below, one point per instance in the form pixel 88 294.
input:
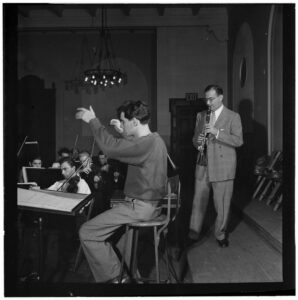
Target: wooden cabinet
pixel 183 120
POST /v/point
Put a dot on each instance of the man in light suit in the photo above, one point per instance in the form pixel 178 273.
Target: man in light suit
pixel 224 133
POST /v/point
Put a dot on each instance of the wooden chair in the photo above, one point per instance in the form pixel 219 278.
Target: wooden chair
pixel 278 203
pixel 277 185
pixel 160 228
pixel 266 176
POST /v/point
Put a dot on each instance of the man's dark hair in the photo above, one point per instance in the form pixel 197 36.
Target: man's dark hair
pixel 63 150
pixel 100 153
pixel 68 160
pixel 84 152
pixel 217 88
pixel 36 157
pixel 135 109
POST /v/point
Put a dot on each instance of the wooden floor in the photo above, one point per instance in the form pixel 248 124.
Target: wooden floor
pixel 255 251
pixel 248 259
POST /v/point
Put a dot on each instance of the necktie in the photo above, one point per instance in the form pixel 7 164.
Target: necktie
pixel 212 118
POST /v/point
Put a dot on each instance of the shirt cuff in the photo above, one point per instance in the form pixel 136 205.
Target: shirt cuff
pixel 95 122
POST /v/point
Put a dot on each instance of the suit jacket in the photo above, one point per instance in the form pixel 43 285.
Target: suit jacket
pixel 221 153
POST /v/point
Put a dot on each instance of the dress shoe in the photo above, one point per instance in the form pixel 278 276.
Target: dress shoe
pixel 116 280
pixel 223 243
pixel 189 242
pixel 192 235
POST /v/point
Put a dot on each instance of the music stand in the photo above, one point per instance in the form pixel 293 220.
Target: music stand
pixel 43 177
pixel 26 185
pixel 29 151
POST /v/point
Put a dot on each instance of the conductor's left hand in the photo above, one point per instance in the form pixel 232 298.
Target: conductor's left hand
pixel 85 114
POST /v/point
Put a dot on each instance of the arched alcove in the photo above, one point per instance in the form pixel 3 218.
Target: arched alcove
pixel 243 69
pixel 275 93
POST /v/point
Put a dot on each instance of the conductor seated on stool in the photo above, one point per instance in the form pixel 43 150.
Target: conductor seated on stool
pixel 146 155
pixel 216 140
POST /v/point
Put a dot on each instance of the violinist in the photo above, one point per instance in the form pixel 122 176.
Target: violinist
pixel 63 152
pixel 89 170
pixel 75 154
pixel 75 184
pixel 105 173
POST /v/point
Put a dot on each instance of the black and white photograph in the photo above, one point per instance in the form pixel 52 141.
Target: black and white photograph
pixel 148 149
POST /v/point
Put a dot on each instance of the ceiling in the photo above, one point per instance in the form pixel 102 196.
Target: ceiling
pixel 47 17
pixel 59 10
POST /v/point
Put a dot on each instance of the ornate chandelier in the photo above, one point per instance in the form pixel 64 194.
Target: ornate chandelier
pixel 107 72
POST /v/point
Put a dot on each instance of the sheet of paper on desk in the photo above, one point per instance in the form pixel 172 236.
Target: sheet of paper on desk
pixel 49 200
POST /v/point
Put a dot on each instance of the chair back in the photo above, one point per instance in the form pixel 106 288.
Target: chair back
pixel 173 200
pixel 173 195
pixel 275 157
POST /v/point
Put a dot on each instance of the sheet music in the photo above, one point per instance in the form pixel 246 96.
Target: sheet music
pixel 49 200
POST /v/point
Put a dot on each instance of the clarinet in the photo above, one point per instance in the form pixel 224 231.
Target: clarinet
pixel 203 147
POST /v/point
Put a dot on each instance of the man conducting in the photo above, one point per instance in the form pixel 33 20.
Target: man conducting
pixel 217 171
pixel 146 155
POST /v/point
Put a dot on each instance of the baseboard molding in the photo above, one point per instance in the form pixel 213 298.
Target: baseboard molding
pixel 273 242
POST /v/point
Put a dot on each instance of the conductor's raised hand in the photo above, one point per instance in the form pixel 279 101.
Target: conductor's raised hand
pixel 117 125
pixel 85 114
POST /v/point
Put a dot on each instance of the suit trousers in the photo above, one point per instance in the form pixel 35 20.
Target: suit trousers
pixel 222 194
pixel 102 259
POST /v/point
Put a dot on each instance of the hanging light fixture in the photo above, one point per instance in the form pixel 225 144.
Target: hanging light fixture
pixel 107 72
pixel 77 78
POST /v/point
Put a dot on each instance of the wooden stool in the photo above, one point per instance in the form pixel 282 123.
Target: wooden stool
pixel 160 228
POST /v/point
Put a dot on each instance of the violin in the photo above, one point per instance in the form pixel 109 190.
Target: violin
pixel 72 185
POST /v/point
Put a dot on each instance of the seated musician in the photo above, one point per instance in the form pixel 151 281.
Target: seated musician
pixel 75 183
pixel 105 173
pixel 112 171
pixel 56 165
pixel 89 169
pixel 75 154
pixel 63 152
pixel 36 162
pixel 98 182
pixel 119 171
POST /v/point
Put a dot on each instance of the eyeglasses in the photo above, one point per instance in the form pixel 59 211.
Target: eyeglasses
pixel 211 99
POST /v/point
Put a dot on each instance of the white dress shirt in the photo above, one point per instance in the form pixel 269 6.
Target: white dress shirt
pixel 83 187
